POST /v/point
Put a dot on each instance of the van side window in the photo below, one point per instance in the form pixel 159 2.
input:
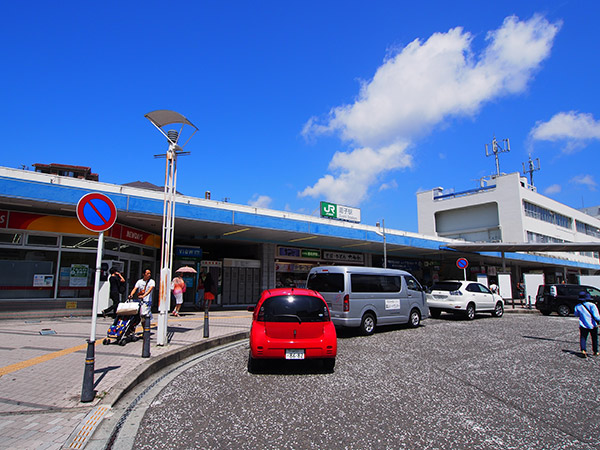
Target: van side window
pixel 326 282
pixel 412 284
pixel 375 283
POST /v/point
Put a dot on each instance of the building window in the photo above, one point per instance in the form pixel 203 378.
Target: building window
pixel 594 255
pixel 542 238
pixel 537 212
pixel 590 230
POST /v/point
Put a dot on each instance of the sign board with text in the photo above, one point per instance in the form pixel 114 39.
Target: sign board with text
pixel 340 212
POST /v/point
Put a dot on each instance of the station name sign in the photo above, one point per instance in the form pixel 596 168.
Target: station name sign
pixel 340 212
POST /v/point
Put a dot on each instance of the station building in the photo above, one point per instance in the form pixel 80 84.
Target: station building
pixel 47 258
pixel 507 209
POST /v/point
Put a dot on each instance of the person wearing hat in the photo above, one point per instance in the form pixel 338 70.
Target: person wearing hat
pixel 589 318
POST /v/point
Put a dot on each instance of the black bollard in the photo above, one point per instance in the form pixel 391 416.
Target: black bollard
pixel 146 346
pixel 206 322
pixel 87 390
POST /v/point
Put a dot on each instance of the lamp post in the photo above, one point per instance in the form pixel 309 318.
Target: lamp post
pixel 381 232
pixel 160 119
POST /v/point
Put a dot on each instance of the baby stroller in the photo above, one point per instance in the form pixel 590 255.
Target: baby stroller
pixel 123 330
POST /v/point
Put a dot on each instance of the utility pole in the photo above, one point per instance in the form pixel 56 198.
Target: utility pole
pixel 381 232
pixel 496 149
pixel 532 166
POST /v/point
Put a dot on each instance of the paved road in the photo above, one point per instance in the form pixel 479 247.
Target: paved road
pixel 512 383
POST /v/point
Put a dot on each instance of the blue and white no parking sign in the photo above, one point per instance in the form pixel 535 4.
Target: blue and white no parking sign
pixel 96 212
pixel 462 263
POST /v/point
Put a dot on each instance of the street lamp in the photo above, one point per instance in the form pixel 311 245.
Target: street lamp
pixel 381 232
pixel 160 119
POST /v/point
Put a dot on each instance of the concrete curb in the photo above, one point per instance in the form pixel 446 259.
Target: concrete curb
pixel 150 367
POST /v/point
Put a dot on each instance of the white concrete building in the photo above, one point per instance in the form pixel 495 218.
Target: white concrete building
pixel 507 210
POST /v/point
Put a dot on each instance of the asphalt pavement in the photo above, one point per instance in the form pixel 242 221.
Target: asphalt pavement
pixel 42 364
pixel 516 382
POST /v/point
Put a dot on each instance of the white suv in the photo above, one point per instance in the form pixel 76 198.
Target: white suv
pixel 463 297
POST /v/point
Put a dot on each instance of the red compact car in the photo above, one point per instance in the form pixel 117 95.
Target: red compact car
pixel 291 323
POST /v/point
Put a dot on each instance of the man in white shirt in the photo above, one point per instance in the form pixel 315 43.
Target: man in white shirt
pixel 145 289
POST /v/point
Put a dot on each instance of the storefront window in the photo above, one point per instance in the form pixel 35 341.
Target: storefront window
pixel 75 242
pixel 50 241
pixel 11 238
pixel 76 278
pixel 27 273
pixel 111 245
pixel 291 275
pixel 126 248
pixel 149 252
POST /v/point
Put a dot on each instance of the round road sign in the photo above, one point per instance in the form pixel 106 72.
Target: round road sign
pixel 462 263
pixel 96 212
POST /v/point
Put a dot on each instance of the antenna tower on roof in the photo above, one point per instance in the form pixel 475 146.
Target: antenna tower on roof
pixel 496 149
pixel 532 166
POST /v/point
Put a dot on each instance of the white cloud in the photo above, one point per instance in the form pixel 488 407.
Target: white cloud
pixel 391 185
pixel 357 171
pixel 585 180
pixel 419 87
pixel 553 189
pixel 260 201
pixel 572 127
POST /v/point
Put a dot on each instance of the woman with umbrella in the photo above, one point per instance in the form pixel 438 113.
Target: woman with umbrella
pixel 178 287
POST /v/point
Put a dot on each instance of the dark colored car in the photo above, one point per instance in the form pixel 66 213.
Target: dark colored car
pixel 291 323
pixel 562 298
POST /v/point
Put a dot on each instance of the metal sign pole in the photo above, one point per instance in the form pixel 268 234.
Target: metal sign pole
pixel 87 390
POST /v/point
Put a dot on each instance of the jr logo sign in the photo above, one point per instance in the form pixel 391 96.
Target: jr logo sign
pixel 333 211
pixel 328 210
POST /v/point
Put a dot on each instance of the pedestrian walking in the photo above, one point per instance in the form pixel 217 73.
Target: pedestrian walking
pixel 199 300
pixel 589 318
pixel 210 291
pixel 144 289
pixel 178 287
pixel 116 288
pixel 521 290
pixel 494 287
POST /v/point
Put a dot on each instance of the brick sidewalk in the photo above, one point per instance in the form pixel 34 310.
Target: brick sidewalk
pixel 42 363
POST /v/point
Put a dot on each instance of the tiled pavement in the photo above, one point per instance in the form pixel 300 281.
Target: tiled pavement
pixel 42 363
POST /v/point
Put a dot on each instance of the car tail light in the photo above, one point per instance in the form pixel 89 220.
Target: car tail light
pixel 455 293
pixel 346 303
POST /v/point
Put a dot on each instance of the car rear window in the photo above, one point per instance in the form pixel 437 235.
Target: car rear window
pixel 446 286
pixel 326 282
pixel 293 308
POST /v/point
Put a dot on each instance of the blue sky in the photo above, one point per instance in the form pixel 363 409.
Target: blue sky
pixel 359 103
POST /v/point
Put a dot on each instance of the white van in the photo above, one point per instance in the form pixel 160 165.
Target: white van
pixel 366 296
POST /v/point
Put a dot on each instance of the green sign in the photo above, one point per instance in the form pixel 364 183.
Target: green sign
pixel 340 212
pixel 78 275
pixel 311 253
pixel 329 210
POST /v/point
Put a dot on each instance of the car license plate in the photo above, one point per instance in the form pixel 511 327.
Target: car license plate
pixel 294 353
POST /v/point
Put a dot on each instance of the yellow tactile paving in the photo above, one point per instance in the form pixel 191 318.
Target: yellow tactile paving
pixel 88 427
pixel 40 359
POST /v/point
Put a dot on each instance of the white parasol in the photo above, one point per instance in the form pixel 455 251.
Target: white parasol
pixel 186 269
